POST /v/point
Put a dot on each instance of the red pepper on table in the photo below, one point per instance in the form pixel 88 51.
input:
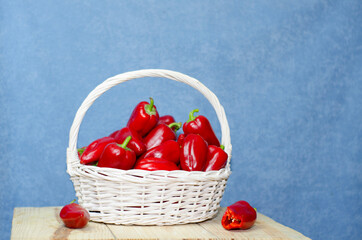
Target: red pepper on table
pixel 118 156
pixel 153 164
pixel 160 134
pixel 239 215
pixel 135 143
pixel 180 139
pixel 216 158
pixel 200 125
pixel 74 216
pixel 193 153
pixel 169 150
pixel 94 150
pixel 143 118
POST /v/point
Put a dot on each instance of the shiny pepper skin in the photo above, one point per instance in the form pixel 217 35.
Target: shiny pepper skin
pixel 94 150
pixel 193 153
pixel 169 150
pixel 161 133
pixel 166 119
pixel 135 143
pixel 118 156
pixel 74 216
pixel 239 215
pixel 180 139
pixel 201 125
pixel 154 164
pixel 216 158
pixel 143 118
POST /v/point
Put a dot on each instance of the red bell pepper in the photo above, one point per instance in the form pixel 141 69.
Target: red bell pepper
pixel 135 143
pixel 193 153
pixel 166 119
pixel 153 164
pixel 74 216
pixel 118 156
pixel 200 125
pixel 169 150
pixel 180 139
pixel 239 215
pixel 216 158
pixel 143 118
pixel 94 150
pixel 160 134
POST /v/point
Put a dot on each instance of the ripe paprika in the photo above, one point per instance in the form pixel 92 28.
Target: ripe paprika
pixel 118 156
pixel 216 158
pixel 153 164
pixel 160 134
pixel 94 150
pixel 135 143
pixel 74 216
pixel 239 215
pixel 200 125
pixel 166 119
pixel 193 153
pixel 143 118
pixel 169 150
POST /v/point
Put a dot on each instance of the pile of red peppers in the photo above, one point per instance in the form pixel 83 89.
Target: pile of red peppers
pixel 153 142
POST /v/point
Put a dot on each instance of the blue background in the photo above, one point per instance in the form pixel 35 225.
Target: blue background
pixel 288 74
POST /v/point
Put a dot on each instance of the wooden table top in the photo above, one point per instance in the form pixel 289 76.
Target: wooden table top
pixel 45 223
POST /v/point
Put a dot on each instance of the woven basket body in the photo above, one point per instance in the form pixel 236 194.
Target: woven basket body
pixel 142 197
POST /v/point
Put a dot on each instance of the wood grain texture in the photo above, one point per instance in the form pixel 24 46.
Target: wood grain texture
pixel 44 223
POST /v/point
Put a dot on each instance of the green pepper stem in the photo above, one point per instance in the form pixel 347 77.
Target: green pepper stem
pixel 73 201
pixel 150 109
pixel 191 115
pixel 177 125
pixel 125 142
pixel 151 103
pixel 222 147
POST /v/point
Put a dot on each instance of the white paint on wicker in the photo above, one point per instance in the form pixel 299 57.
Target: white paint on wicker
pixel 142 197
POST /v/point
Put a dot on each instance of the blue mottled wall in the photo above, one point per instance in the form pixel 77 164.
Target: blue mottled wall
pixel 287 72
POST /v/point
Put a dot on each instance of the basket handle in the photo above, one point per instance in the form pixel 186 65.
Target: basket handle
pixel 176 76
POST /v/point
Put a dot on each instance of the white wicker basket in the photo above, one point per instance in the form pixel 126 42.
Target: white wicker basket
pixel 140 197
